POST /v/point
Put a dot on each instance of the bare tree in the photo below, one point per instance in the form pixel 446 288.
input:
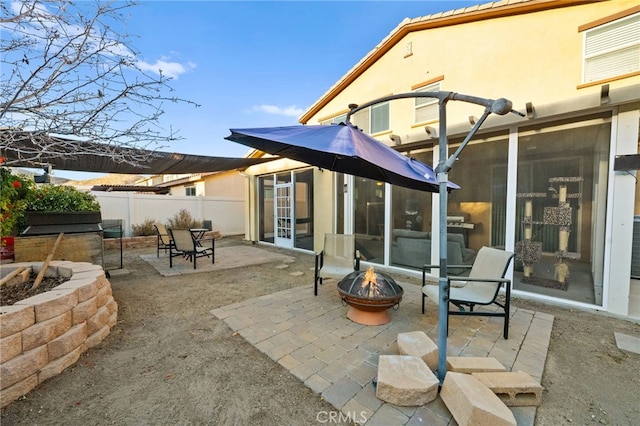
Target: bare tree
pixel 70 75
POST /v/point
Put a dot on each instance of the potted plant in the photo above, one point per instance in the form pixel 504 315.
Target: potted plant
pixel 58 204
pixel 23 203
pixel 50 210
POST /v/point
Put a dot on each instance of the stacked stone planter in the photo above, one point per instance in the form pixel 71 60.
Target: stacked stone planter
pixel 130 242
pixel 44 334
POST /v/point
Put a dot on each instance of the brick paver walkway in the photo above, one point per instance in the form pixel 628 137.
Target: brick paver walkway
pixel 337 358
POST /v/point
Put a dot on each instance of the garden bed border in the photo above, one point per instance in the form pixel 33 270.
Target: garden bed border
pixel 42 335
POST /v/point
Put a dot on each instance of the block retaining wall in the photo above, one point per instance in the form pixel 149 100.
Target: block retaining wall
pixel 44 334
pixel 130 242
pixel 144 242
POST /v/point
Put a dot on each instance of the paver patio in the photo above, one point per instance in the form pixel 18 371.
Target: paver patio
pixel 337 358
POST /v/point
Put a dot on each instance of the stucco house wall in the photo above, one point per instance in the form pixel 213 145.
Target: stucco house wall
pixel 530 52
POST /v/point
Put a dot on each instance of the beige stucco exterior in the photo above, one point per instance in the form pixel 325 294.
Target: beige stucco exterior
pixel 531 57
pixel 530 52
pixel 218 184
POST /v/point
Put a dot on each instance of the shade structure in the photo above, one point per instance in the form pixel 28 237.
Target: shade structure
pixel 21 147
pixel 341 148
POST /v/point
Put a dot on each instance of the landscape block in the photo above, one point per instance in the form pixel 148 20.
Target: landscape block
pixel 473 364
pixel 514 388
pixel 405 380
pixel 471 403
pixel 417 343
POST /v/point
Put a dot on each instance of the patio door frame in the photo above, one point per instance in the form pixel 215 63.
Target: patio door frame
pixel 283 215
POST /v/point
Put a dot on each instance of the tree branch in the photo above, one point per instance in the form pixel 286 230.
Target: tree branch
pixel 67 71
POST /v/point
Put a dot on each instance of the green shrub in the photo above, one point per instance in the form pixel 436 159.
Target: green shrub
pixel 183 220
pixel 60 198
pixel 144 229
pixel 13 191
pixel 20 194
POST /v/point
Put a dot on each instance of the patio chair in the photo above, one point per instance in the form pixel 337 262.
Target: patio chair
pixel 164 239
pixel 481 287
pixel 186 245
pixel 337 259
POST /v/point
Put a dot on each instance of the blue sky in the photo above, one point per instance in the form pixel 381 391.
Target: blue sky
pixel 255 64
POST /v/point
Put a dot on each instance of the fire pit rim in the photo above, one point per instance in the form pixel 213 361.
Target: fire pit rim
pixel 368 303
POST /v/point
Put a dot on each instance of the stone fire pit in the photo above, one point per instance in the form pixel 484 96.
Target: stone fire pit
pixel 369 294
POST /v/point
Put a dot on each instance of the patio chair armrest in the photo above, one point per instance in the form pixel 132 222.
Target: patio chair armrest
pixel 425 267
pixel 207 240
pixel 480 280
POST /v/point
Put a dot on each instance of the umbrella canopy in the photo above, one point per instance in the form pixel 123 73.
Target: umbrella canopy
pixel 341 148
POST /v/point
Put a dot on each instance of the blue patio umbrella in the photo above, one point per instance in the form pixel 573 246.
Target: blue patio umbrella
pixel 344 148
pixel 341 148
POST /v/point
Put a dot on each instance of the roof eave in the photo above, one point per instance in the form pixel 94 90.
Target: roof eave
pixel 445 19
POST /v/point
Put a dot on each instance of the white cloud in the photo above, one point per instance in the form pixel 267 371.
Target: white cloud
pixel 51 22
pixel 289 111
pixel 43 23
pixel 168 68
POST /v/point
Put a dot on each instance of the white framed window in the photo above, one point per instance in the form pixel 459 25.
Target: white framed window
pixel 379 117
pixel 426 109
pixel 190 191
pixel 342 118
pixel 374 119
pixel 612 49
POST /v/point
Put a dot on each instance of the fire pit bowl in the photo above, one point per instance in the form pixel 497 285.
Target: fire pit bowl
pixel 369 294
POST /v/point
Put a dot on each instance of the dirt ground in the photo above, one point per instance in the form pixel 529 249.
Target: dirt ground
pixel 170 362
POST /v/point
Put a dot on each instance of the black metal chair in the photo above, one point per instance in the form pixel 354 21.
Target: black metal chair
pixel 481 287
pixel 186 245
pixel 164 239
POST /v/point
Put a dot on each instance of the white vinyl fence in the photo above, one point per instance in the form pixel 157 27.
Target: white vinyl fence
pixel 225 213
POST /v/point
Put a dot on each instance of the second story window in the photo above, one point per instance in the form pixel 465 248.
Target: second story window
pixel 612 49
pixel 190 191
pixel 379 117
pixel 342 118
pixel 372 120
pixel 426 109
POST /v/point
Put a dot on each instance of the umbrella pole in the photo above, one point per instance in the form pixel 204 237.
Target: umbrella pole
pixel 442 174
pixel 443 299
